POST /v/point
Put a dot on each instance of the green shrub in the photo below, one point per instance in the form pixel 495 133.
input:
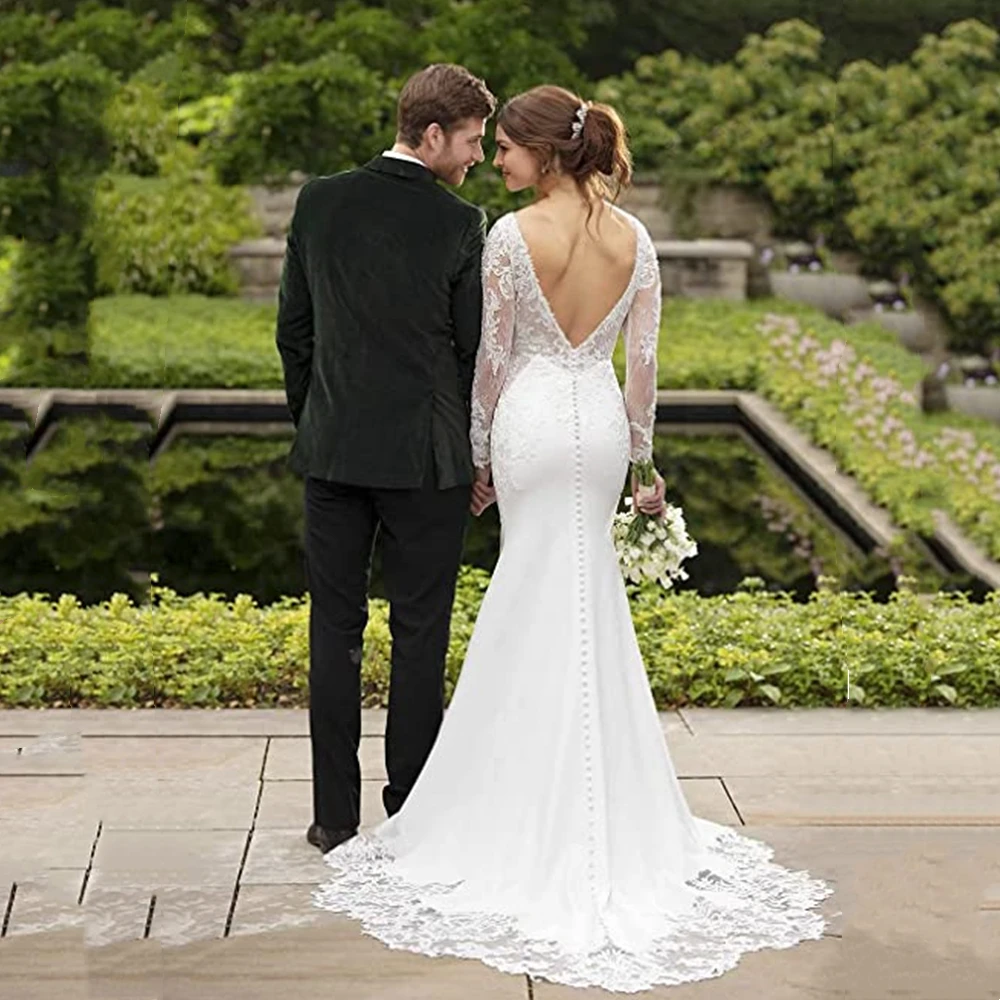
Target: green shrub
pixel 54 144
pixel 744 648
pixel 171 234
pixel 24 37
pixel 181 76
pixel 901 164
pixel 140 128
pixel 318 117
pixel 375 35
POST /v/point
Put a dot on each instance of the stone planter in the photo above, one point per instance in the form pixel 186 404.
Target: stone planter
pixel 834 294
pixel 915 332
pixel 704 269
pixel 981 401
pixel 258 264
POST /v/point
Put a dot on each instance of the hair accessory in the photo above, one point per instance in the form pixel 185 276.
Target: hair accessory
pixel 580 117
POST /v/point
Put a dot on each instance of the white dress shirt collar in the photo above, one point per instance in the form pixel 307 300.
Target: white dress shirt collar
pixel 405 156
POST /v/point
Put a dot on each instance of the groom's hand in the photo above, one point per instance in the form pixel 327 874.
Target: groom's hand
pixel 483 494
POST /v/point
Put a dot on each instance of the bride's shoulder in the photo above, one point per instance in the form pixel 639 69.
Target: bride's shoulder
pixel 637 224
pixel 502 229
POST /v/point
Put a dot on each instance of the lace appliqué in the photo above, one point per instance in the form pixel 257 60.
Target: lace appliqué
pixel 642 329
pixel 756 905
pixel 518 325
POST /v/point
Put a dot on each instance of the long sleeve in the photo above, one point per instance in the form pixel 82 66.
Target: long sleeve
pixel 497 340
pixel 467 302
pixel 642 328
pixel 295 333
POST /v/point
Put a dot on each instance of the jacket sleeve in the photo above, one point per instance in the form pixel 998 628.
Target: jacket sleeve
pixel 295 332
pixel 467 302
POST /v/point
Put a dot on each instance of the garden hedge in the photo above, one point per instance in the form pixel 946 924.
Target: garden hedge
pixel 740 649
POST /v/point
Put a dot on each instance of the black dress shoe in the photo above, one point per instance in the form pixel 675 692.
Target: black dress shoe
pixel 327 840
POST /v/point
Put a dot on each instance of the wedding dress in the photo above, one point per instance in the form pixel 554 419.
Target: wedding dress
pixel 547 833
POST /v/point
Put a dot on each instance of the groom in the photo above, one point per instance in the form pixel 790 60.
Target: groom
pixel 379 315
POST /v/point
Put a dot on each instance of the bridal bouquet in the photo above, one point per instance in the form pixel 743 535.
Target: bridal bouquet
pixel 652 547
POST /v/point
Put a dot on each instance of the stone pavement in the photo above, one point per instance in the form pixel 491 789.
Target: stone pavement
pixel 160 854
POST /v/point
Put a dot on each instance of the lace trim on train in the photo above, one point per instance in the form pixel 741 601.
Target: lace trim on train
pixel 774 911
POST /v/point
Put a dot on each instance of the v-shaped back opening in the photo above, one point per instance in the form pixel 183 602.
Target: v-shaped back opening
pixel 558 327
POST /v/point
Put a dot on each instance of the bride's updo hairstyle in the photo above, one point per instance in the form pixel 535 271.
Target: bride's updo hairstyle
pixel 546 121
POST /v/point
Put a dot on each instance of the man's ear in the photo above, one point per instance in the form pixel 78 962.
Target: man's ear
pixel 434 136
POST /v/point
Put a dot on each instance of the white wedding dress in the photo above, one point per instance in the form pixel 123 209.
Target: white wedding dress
pixel 547 833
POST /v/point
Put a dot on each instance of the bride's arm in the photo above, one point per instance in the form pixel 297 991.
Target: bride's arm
pixel 494 348
pixel 642 329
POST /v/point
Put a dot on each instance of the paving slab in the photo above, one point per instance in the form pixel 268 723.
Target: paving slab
pixel 48 902
pixel 46 755
pixel 264 908
pixel 128 970
pixel 708 798
pixel 149 859
pixel 43 825
pixel 183 914
pixel 290 758
pixel 170 915
pixel 877 801
pixel 50 966
pixel 281 857
pixel 850 720
pixel 113 914
pixel 191 801
pixel 332 960
pixel 286 804
pixel 146 758
pixel 837 756
pixel 22 722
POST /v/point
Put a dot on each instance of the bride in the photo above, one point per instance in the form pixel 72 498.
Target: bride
pixel 547 833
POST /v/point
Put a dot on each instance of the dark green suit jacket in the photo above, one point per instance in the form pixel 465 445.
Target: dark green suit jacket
pixel 379 315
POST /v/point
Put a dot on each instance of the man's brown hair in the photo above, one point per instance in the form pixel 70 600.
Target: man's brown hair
pixel 442 93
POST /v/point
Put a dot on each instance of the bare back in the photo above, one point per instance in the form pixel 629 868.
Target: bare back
pixel 582 268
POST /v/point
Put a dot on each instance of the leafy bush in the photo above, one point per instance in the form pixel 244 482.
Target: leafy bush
pixel 744 648
pixel 901 164
pixel 140 130
pixel 319 117
pixel 375 35
pixel 121 40
pixel 181 76
pixel 171 234
pixel 53 144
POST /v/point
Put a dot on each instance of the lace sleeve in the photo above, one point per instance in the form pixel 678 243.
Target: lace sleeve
pixel 495 346
pixel 642 329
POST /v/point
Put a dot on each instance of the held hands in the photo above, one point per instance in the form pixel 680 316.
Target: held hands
pixel 649 499
pixel 483 494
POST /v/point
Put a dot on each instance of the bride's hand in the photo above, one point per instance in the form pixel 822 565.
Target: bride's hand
pixel 654 504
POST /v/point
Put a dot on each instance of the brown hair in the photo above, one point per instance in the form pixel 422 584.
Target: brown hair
pixel 597 157
pixel 442 93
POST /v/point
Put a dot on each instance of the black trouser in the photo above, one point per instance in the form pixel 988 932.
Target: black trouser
pixel 422 535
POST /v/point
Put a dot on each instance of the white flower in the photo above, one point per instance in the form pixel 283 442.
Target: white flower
pixel 658 551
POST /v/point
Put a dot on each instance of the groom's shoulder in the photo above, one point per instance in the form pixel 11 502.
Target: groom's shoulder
pixel 323 185
pixel 457 206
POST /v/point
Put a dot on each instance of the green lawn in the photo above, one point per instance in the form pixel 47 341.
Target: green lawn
pixel 194 341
